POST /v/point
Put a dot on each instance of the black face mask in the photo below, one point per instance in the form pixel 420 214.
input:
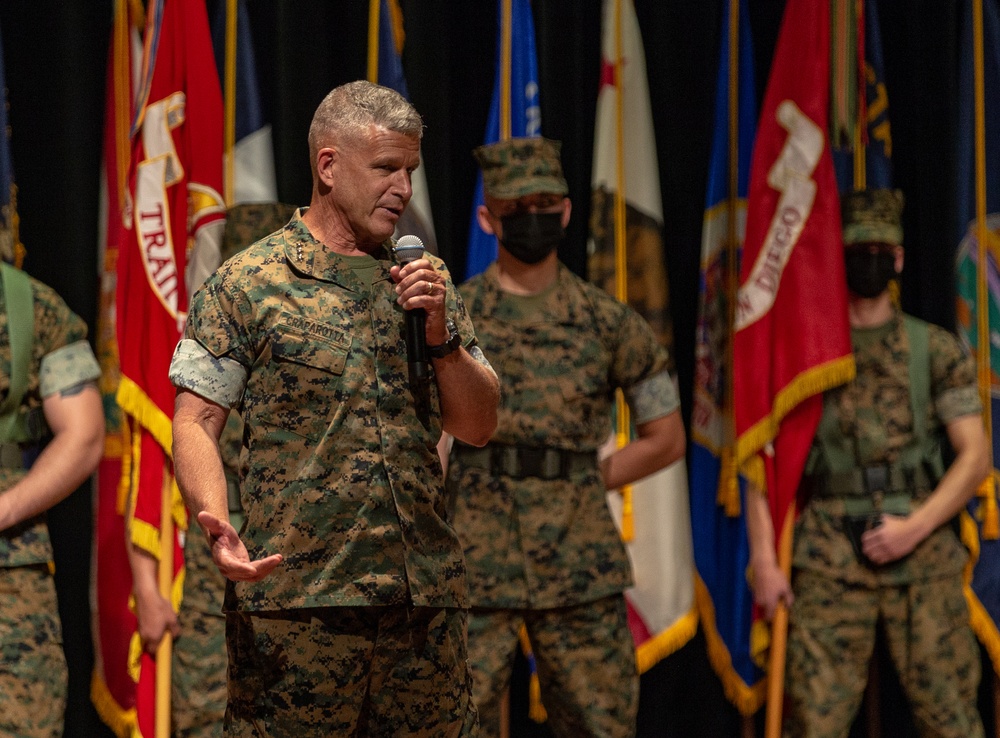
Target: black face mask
pixel 530 237
pixel 868 274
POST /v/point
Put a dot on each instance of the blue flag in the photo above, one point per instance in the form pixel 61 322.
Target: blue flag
pixel 721 547
pixel 878 150
pixel 985 606
pixel 390 66
pixel 525 116
pixel 253 167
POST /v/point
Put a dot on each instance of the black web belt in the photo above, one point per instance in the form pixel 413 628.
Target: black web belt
pixel 520 462
pixel 865 481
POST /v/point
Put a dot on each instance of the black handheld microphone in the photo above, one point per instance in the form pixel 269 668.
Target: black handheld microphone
pixel 407 249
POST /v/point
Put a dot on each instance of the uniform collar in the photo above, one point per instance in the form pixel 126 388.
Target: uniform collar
pixel 559 305
pixel 311 258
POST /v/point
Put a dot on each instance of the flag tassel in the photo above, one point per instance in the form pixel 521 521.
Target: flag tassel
pixel 987 493
pixel 728 496
pixel 628 517
pixel 536 710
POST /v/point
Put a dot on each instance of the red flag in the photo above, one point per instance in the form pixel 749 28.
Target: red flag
pixel 792 340
pixel 165 221
pixel 112 687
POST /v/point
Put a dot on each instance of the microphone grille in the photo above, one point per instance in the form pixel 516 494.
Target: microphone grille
pixel 408 248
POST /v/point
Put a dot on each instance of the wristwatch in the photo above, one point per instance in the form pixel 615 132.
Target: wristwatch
pixel 454 341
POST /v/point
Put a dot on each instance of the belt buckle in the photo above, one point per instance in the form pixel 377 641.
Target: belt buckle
pixel 534 462
pixel 876 478
pixel 504 462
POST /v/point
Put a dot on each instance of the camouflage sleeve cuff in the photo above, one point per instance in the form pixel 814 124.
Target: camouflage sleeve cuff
pixel 67 367
pixel 218 379
pixel 477 353
pixel 652 398
pixel 956 402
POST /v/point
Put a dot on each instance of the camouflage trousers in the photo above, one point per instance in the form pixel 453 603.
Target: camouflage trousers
pixel 199 660
pixel 585 658
pixel 832 627
pixel 32 663
pixel 349 671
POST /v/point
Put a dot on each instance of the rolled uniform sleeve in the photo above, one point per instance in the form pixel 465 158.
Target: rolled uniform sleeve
pixel 219 379
pixel 652 398
pixel 953 377
pixel 67 367
pixel 213 357
pixel 641 368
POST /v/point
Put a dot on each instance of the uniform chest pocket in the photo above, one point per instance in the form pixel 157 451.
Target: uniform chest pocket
pixel 325 353
pixel 301 379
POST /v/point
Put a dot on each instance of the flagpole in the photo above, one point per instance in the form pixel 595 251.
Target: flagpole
pixel 779 637
pixel 987 488
pixel 373 21
pixel 166 576
pixel 861 126
pixel 229 98
pixel 505 62
pixel 621 259
pixel 728 494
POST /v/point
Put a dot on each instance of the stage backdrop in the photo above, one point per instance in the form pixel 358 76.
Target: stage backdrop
pixel 55 55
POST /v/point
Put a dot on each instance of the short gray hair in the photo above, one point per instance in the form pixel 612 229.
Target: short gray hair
pixel 350 109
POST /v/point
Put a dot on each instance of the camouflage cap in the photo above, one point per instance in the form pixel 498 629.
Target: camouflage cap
pixel 872 216
pixel 521 166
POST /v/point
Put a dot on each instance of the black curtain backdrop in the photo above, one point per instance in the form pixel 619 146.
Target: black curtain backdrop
pixel 55 56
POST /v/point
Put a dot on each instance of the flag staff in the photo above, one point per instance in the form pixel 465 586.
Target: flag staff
pixel 987 487
pixel 165 577
pixel 779 636
pixel 728 494
pixel 373 21
pixel 229 100
pixel 622 423
pixel 506 34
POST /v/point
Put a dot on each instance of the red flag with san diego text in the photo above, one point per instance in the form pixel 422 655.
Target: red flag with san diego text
pixel 791 340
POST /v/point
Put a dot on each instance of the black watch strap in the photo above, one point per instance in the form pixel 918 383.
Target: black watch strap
pixel 454 341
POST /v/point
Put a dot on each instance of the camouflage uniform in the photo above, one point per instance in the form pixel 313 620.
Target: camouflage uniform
pixel 545 552
pixel 32 664
pixel 199 657
pixel 919 599
pixel 338 475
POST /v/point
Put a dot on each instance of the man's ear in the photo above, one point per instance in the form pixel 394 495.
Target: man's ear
pixel 898 259
pixel 484 216
pixel 567 209
pixel 326 160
